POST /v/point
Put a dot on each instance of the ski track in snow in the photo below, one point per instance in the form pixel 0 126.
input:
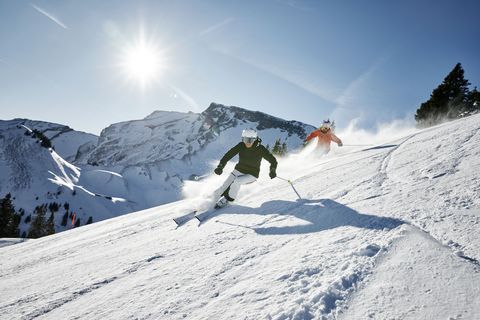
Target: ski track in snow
pixel 389 232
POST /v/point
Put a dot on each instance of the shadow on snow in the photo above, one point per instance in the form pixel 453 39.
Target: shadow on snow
pixel 323 214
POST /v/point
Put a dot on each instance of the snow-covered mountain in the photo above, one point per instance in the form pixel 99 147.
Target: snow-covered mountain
pixel 387 232
pixel 35 175
pixel 133 165
pixel 178 137
pixel 66 140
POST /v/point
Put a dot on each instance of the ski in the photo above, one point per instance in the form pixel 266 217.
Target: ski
pixel 181 220
pixel 205 215
pixel 201 216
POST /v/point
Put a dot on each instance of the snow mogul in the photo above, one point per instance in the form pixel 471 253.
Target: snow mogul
pixel 250 152
pixel 325 136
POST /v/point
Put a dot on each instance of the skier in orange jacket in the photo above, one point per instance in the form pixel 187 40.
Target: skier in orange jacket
pixel 325 136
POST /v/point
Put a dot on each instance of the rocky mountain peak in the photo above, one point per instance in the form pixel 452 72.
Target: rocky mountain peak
pixel 230 116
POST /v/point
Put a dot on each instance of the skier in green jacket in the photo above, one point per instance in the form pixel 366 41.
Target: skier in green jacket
pixel 250 152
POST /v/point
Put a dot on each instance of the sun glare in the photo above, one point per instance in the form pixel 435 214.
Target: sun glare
pixel 142 63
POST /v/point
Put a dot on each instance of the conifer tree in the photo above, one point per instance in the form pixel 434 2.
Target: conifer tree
pixel 50 225
pixel 5 214
pixel 284 149
pixel 474 100
pixel 38 225
pixel 45 141
pixel 279 148
pixel 276 147
pixel 447 101
pixel 53 207
pixel 64 219
pixel 9 219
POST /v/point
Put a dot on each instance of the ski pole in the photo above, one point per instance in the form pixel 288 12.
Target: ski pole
pixel 291 184
pixel 357 145
pixel 198 178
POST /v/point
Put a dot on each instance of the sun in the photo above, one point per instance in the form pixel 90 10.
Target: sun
pixel 142 62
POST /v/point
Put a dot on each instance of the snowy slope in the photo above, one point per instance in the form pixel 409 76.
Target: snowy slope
pixel 36 175
pixel 389 232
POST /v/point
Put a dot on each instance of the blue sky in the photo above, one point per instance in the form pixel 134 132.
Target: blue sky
pixel 375 61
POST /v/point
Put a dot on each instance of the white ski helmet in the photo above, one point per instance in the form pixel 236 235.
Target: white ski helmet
pixel 326 124
pixel 249 135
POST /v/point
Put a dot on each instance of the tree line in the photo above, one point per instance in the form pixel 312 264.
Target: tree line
pixel 40 224
pixel 279 148
pixel 44 140
pixel 452 99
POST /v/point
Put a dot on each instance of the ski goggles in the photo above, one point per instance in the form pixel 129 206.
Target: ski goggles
pixel 324 129
pixel 248 140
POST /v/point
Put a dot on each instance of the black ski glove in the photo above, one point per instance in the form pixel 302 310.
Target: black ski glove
pixel 272 173
pixel 219 169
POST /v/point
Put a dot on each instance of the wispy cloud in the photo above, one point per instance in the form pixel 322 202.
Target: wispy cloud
pixel 216 26
pixel 195 38
pixel 350 103
pixel 356 88
pixel 49 16
pixel 296 78
pixel 299 5
pixel 350 94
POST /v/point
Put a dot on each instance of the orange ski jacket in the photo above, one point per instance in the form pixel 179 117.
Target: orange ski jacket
pixel 324 139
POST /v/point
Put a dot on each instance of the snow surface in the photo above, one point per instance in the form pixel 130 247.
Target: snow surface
pixel 385 232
